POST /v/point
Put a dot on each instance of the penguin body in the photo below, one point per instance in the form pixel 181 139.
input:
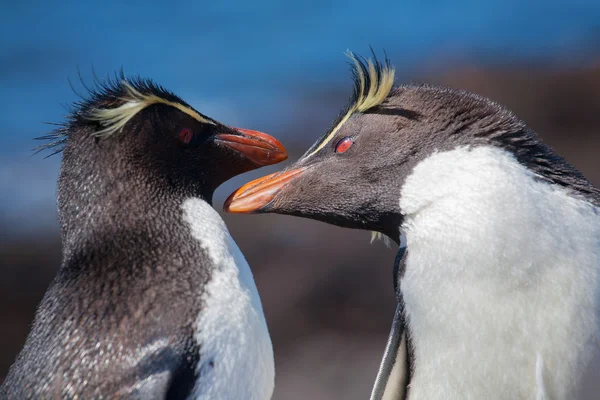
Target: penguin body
pixel 499 289
pixel 136 310
pixel 232 326
pixel 530 271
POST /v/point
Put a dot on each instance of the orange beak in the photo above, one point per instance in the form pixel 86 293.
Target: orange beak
pixel 258 147
pixel 259 193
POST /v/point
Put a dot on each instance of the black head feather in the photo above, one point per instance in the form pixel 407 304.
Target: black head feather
pixel 103 94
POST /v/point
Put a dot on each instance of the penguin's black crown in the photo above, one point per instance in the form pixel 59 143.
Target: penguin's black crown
pixel 110 104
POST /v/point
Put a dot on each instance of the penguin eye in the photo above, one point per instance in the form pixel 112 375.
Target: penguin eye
pixel 344 144
pixel 186 135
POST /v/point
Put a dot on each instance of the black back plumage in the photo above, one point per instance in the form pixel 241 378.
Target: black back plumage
pixel 117 320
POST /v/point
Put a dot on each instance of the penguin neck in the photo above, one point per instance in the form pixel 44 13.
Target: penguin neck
pixel 96 202
pixel 501 278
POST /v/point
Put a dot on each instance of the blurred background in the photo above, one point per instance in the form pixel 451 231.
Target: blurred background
pixel 279 67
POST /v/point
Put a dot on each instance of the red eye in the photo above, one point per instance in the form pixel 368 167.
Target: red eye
pixel 186 135
pixel 344 145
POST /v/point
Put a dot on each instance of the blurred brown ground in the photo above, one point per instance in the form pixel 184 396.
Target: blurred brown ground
pixel 327 292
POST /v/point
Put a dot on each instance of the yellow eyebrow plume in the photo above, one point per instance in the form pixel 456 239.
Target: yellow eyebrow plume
pixel 113 120
pixel 379 79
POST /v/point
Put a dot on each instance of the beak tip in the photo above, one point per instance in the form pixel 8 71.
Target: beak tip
pixel 256 195
pixel 280 155
pixel 227 205
pixel 235 205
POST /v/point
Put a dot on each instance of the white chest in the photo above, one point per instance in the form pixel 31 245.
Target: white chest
pixel 502 280
pixel 236 350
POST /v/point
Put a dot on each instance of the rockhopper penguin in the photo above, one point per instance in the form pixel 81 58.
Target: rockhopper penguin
pixel 499 289
pixel 153 299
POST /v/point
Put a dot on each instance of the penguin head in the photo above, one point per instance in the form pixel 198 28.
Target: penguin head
pixel 353 175
pixel 134 128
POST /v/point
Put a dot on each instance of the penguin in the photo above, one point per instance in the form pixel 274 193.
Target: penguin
pixel 153 298
pixel 498 272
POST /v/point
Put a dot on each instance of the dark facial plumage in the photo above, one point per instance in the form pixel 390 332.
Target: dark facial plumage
pixel 150 146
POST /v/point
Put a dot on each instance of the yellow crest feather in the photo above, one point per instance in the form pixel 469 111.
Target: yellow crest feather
pixel 113 120
pixel 373 82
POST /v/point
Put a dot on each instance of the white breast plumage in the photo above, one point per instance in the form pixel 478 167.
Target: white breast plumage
pixel 502 280
pixel 236 350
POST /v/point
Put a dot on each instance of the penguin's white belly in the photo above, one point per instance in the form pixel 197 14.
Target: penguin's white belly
pixel 236 351
pixel 502 281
